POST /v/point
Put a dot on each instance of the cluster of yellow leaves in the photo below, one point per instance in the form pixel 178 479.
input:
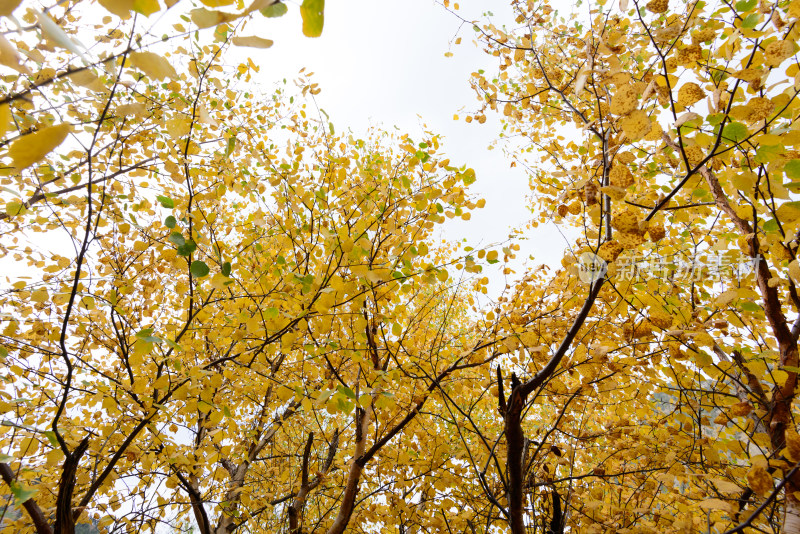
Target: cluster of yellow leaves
pixel 681 175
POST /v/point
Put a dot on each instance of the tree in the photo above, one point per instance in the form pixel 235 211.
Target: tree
pixel 246 290
pixel 686 152
pixel 233 318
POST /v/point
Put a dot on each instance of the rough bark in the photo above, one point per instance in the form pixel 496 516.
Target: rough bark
pixel 779 412
pixel 515 439
pixel 65 517
pixel 363 419
pixel 791 518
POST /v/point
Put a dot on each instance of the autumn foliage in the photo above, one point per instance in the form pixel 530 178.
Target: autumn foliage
pixel 221 315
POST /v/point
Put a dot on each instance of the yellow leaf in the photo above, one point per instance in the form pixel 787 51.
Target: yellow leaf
pixel 136 109
pixel 792 450
pixel 759 480
pixel 109 405
pixel 252 41
pixel 615 192
pixel 739 409
pixel 5 120
pixel 32 148
pixel 788 212
pixel 120 8
pixel 87 78
pixel 726 486
pixel 9 56
pixel 636 125
pixel 205 18
pixel 626 221
pixel 217 3
pixel 491 256
pixel 624 100
pixel 14 208
pixel 204 117
pixel 313 14
pixel 178 127
pixel 377 276
pixel 610 250
pixel 726 298
pixel 220 281
pixel 794 271
pixel 153 65
pixel 39 296
pixel 8 6
pixel 146 7
pixel 716 504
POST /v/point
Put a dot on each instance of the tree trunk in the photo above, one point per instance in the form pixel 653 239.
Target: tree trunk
pixel 791 517
pixel 65 519
pixel 363 417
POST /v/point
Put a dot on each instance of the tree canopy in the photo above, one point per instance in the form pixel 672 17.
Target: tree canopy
pixel 222 315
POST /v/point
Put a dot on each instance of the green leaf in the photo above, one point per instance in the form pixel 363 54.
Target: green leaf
pixel 3 353
pixel 765 154
pixel 51 437
pixel 199 269
pixel 146 334
pixel 226 411
pixel 278 9
pixel 751 21
pixel 166 201
pixel 174 345
pixel 792 169
pixel 271 313
pixel 4 458
pixel 749 306
pixel 736 132
pixel 312 12
pixel 170 222
pixel 21 493
pixel 468 177
pixel 177 239
pixel 146 7
pixel 770 226
pixel 347 391
pixel 187 248
pixel 231 143
pixel 226 268
pixel 324 396
pixel 745 5
pixel 14 208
